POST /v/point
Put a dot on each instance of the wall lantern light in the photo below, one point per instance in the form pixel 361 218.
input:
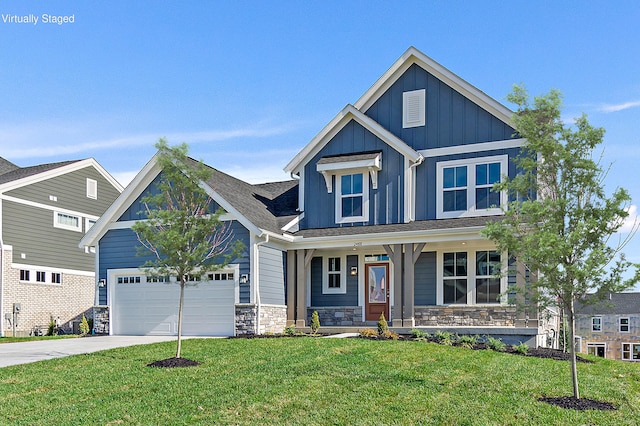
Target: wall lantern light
pixel 354 271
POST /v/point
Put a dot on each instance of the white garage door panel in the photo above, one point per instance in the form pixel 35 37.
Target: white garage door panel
pixel 152 308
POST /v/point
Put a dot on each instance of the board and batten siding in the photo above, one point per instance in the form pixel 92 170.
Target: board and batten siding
pixel 451 119
pixel 386 204
pixel 30 231
pixel 271 276
pixel 426 178
pixel 350 298
pixel 69 192
pixel 118 250
pixel 425 279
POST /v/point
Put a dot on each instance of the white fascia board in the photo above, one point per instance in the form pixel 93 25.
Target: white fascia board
pixel 347 114
pixel 60 171
pixel 148 173
pixel 414 56
pixel 419 236
pixel 475 147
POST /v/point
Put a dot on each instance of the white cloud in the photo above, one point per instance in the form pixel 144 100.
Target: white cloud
pixel 608 108
pixel 631 222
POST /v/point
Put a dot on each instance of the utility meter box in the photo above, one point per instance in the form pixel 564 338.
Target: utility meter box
pixel 16 308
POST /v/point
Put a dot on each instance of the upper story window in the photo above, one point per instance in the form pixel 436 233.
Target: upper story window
pixel 465 187
pixel 67 221
pixel 351 174
pixel 596 324
pixel 414 108
pixel 624 325
pixel 352 198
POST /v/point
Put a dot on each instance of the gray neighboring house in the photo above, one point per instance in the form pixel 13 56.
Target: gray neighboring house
pixel 45 211
pixel 610 328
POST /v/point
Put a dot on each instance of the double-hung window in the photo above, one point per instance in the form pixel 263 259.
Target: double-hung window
pixel 334 276
pixel 487 281
pixel 351 195
pixel 455 278
pixel 624 324
pixel 465 187
pixel 631 351
pixel 596 324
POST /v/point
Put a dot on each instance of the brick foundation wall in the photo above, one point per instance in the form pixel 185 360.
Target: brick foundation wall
pixel 42 302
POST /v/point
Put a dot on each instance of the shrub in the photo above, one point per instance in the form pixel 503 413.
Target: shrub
pixel 90 321
pixel 468 341
pixel 443 337
pixel 392 335
pixel 315 322
pixel 383 327
pixel 496 344
pixel 51 328
pixel 84 326
pixel 418 334
pixel 290 330
pixel 522 348
pixel 368 332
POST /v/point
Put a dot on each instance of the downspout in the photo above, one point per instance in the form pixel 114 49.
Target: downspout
pixel 257 281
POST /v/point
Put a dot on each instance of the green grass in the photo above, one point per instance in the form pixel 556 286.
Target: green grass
pixel 311 381
pixel 31 338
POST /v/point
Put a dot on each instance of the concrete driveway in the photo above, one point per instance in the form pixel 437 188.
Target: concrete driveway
pixel 38 350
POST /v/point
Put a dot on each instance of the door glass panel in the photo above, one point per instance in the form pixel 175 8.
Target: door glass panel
pixel 377 284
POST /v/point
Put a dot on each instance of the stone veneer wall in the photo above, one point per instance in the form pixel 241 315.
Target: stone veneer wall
pixel 470 316
pixel 101 319
pixel 337 316
pixel 273 319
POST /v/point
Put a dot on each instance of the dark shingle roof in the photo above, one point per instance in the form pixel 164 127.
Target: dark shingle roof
pixel 612 304
pixel 268 206
pixel 24 172
pixel 420 225
pixel 6 166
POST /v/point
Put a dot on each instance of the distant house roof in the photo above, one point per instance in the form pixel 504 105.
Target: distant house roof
pixel 14 173
pixel 613 304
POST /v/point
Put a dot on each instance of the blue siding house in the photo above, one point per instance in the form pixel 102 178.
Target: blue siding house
pixel 383 217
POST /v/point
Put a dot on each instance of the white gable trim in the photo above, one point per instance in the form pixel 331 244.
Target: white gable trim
pixel 61 171
pixel 414 56
pixel 474 147
pixel 347 114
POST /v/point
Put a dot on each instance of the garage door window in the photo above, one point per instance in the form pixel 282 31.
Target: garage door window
pixel 129 280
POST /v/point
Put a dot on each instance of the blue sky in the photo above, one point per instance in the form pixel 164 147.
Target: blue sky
pixel 248 83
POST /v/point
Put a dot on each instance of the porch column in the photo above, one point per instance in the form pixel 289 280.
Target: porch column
pixel 291 287
pixel 301 290
pixel 411 256
pixel 395 255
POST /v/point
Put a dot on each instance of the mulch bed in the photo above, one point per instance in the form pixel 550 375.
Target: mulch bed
pixel 173 363
pixel 581 404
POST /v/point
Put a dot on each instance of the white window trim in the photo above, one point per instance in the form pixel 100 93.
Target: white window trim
pixel 92 189
pixel 631 345
pixel 56 224
pixel 592 324
pixel 471 276
pixel 410 101
pixel 365 198
pixel 628 325
pixel 48 276
pixel 343 276
pixel 597 345
pixel 471 186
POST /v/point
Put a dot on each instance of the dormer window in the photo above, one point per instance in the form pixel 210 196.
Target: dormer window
pixel 351 175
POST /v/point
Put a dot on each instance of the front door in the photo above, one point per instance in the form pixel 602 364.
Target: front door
pixel 377 291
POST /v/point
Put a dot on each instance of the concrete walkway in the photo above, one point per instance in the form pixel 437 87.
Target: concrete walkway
pixel 38 350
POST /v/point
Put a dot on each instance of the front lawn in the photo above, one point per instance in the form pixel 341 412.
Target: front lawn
pixel 311 381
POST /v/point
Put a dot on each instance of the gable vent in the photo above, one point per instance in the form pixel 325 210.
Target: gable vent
pixel 413 108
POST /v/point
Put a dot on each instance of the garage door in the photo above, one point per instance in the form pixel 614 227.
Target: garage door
pixel 139 307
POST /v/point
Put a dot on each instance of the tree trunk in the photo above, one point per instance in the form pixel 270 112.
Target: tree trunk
pixel 182 285
pixel 572 345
